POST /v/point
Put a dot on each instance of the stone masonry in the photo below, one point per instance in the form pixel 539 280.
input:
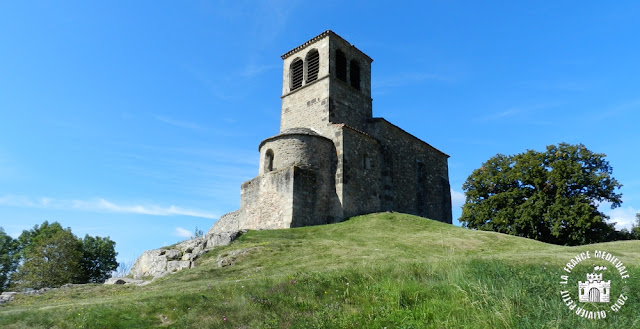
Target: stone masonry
pixel 332 159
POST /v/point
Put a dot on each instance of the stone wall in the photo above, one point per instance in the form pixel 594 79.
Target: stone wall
pixel 307 107
pixel 361 176
pixel 266 202
pixel 415 171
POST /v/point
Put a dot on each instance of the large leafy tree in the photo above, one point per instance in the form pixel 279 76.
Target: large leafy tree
pixel 51 256
pixel 550 196
pixel 8 261
pixel 98 259
pixel 50 260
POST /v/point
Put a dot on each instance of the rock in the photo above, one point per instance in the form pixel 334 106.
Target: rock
pixel 159 262
pixel 178 265
pixel 230 257
pixel 7 296
pixel 173 254
pixel 126 281
pixel 150 263
pixel 229 222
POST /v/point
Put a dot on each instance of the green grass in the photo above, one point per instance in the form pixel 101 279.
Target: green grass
pixel 374 271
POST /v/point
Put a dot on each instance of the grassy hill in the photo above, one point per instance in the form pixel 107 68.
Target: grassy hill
pixel 382 270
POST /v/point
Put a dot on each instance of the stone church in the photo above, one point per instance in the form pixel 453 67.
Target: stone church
pixel 332 159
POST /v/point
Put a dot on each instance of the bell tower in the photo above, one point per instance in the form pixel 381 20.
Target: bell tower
pixel 325 81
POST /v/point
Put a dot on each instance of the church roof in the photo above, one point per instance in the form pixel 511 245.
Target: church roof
pixel 318 37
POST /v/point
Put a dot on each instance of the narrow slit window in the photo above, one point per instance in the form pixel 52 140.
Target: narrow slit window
pixel 268 161
pixel 341 66
pixel 355 74
pixel 297 73
pixel 313 65
pixel 366 162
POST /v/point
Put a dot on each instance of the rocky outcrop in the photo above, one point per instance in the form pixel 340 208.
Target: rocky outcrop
pixel 7 296
pixel 160 262
pixel 137 282
pixel 228 222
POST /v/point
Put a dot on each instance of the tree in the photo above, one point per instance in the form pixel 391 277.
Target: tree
pixel 51 256
pixel 50 260
pixel 98 259
pixel 550 196
pixel 635 229
pixel 8 260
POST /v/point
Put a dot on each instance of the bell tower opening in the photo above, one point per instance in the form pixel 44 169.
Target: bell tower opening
pixel 326 80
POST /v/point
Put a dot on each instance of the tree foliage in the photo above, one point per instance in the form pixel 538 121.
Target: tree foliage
pixel 550 196
pixel 8 260
pixel 635 229
pixel 50 260
pixel 98 259
pixel 51 256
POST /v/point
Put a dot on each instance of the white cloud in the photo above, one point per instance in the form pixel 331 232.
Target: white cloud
pixel 457 198
pixel 103 205
pixel 624 217
pixel 183 233
pixel 17 201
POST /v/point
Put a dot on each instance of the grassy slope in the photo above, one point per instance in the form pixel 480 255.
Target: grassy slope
pixel 374 271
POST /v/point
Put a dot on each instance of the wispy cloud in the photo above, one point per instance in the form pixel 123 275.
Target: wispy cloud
pixel 183 233
pixel 457 198
pixel 527 113
pixel 102 205
pixel 178 123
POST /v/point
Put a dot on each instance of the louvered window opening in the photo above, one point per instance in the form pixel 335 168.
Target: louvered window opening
pixel 355 75
pixel 341 66
pixel 313 66
pixel 297 74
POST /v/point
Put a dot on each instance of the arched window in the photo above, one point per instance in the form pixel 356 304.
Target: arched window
pixel 313 65
pixel 296 71
pixel 268 161
pixel 341 65
pixel 355 74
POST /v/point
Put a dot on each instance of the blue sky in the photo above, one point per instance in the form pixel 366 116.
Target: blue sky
pixel 139 120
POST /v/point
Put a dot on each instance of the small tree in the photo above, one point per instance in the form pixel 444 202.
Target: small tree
pixel 8 260
pixel 550 196
pixel 98 259
pixel 197 233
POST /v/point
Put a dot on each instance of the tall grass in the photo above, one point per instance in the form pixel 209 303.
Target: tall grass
pixel 376 271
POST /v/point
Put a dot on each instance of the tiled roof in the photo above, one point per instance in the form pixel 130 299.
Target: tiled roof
pixel 318 37
pixel 352 128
